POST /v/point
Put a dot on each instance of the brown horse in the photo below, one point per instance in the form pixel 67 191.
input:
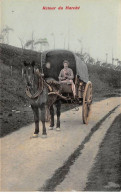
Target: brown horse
pixel 42 96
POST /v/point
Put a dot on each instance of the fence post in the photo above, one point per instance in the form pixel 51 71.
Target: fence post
pixel 22 72
pixel 11 70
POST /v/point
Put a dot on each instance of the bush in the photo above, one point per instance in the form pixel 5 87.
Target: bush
pixel 104 76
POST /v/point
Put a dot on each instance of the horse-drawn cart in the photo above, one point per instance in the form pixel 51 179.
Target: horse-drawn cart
pixel 44 87
pixel 52 64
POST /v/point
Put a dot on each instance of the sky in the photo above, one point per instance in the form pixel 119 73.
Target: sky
pixel 97 24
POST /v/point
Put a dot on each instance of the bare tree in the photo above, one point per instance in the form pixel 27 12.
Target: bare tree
pixel 22 43
pixel 30 43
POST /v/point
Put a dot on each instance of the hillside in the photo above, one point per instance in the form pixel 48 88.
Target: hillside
pixel 15 111
pixel 14 56
pixel 106 82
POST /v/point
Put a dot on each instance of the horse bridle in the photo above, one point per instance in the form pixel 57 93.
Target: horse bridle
pixel 42 82
pixel 39 91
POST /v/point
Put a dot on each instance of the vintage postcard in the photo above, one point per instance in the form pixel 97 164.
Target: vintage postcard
pixel 60 95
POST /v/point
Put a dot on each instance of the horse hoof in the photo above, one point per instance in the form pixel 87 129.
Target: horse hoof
pixel 43 136
pixel 34 136
pixel 58 129
pixel 50 128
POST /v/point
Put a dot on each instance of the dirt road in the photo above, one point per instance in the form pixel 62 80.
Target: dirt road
pixel 56 163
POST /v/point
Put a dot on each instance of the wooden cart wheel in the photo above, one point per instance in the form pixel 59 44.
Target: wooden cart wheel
pixel 87 101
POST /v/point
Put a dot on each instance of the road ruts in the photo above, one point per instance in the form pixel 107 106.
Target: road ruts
pixel 28 164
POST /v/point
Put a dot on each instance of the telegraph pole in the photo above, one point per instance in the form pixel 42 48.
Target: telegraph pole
pixel 112 57
pixel 68 38
pixel 32 41
pixel 68 34
pixel 52 34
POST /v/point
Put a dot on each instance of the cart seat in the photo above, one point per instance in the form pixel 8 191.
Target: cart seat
pixel 66 88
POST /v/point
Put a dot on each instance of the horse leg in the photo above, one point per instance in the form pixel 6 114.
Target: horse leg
pixel 58 106
pixel 36 120
pixel 51 118
pixel 43 113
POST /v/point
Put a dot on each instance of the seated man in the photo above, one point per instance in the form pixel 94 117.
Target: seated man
pixel 66 76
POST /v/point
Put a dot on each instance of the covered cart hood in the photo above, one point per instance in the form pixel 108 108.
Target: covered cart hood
pixel 56 58
pixel 81 69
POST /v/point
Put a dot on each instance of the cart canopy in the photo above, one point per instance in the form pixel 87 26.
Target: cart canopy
pixel 56 58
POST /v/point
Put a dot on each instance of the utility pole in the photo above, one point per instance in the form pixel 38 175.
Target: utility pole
pixel 64 42
pixel 112 57
pixel 32 47
pixel 54 40
pixel 68 38
pixel 52 34
pixel 68 34
pixel 81 46
pixel 64 39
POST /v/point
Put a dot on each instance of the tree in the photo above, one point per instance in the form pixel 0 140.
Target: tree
pixel 91 61
pixel 42 42
pixel 86 57
pixel 113 60
pixel 29 43
pixel 5 33
pixel 117 61
pixel 1 38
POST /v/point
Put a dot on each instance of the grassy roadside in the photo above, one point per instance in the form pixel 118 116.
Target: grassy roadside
pixel 106 172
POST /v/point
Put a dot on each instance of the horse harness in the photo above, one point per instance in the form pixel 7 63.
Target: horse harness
pixel 42 83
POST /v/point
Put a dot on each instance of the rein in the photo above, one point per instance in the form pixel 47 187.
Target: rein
pixel 40 89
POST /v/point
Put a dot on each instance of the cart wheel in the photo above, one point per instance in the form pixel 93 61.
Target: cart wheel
pixel 87 101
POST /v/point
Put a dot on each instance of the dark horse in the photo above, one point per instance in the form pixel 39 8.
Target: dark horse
pixel 42 95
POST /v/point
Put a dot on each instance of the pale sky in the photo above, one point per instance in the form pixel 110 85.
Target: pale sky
pixel 97 24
